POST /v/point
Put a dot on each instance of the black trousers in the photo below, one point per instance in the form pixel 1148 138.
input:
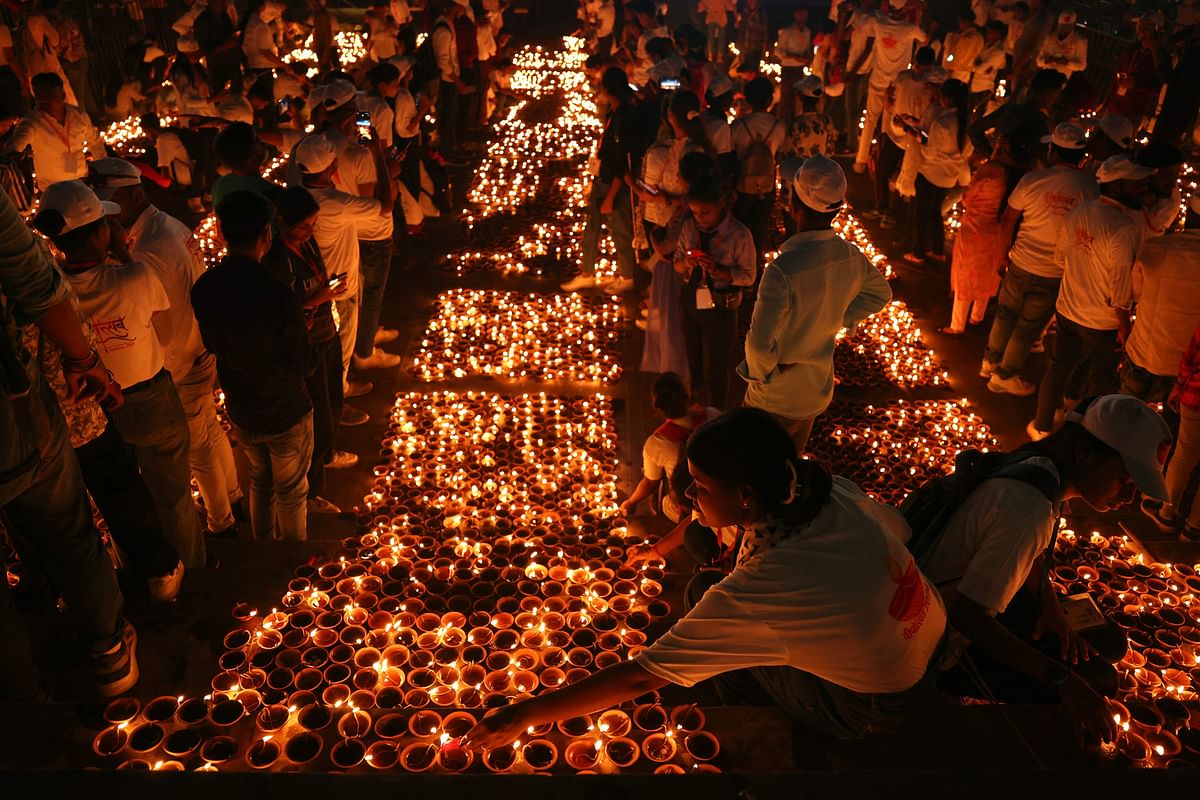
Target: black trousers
pixel 325 389
pixel 754 211
pixel 931 236
pixel 890 156
pixel 709 336
pixel 111 474
pixel 448 118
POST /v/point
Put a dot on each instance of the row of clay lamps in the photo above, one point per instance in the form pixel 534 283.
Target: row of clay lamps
pixel 1157 606
pixel 886 350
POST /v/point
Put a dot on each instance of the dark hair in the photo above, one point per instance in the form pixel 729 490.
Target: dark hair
pixel 965 14
pixel 678 482
pixel 1045 79
pixel 998 26
pixel 685 106
pixel 384 72
pixel 697 43
pixel 670 395
pixel 719 102
pixel 598 60
pixel 705 191
pixel 659 47
pixel 759 93
pixel 698 167
pixel 925 56
pixel 1158 155
pixel 50 222
pixel 958 94
pixel 616 83
pixel 46 80
pixel 1068 155
pixel 294 204
pixel 747 447
pixel 151 122
pixel 243 217
pixel 235 144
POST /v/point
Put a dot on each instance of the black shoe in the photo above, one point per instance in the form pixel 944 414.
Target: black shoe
pixel 240 514
pixel 229 533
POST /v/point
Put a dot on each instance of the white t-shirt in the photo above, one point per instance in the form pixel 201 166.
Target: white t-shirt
pixel 862 28
pixel 986 67
pixel 1096 249
pixel 382 116
pixel 1164 283
pixel 992 540
pixel 119 301
pixel 716 128
pixel 793 46
pixel 57 149
pixel 840 599
pixel 653 164
pixel 257 37
pixel 942 163
pixel 407 123
pixel 166 245
pixel 894 40
pixel 755 126
pixel 336 231
pixel 1044 197
pixel 170 149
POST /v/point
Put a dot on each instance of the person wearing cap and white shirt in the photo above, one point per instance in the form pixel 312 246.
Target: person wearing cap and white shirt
pixel 812 131
pixel 450 85
pixel 987 66
pixel 1165 276
pixel 817 285
pixel 1096 249
pixel 343 216
pixel 261 37
pixel 794 51
pixel 988 561
pixel 891 45
pixel 1112 136
pixel 167 246
pixel 1028 293
pixel 962 47
pixel 57 132
pixel 124 302
pixel 1064 49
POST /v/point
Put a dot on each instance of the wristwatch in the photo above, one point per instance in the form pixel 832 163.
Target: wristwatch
pixel 1058 675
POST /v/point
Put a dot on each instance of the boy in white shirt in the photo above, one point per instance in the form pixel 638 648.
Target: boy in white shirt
pixel 57 132
pixel 121 299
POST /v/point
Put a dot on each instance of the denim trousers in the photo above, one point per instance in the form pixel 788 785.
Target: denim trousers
pixel 347 313
pixel 51 525
pixel 279 465
pixel 1085 353
pixel 375 262
pixel 110 472
pixel 153 421
pixel 325 389
pixel 209 452
pixel 1023 308
pixel 619 224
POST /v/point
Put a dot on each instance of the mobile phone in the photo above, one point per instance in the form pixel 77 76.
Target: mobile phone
pixel 694 253
pixel 646 188
pixel 669 84
pixel 283 104
pixel 362 122
pixel 634 86
pixel 336 280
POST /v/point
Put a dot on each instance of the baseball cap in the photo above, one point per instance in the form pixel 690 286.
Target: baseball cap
pixel 1067 135
pixel 1117 128
pixel 314 154
pixel 1067 18
pixel 1121 168
pixel 810 86
pixel 77 204
pixel 820 184
pixel 1134 430
pixel 334 94
pixel 106 175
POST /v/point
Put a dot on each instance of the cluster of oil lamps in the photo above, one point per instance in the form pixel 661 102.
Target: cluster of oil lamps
pixel 517 335
pixel 887 348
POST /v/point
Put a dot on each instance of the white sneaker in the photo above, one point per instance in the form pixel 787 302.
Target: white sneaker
pixel 1014 385
pixel 377 360
pixel 1035 435
pixel 319 505
pixel 166 588
pixel 579 282
pixel 342 459
pixel 619 286
pixel 385 335
pixel 987 369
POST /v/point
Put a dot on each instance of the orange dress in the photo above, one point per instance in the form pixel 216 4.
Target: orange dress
pixel 981 248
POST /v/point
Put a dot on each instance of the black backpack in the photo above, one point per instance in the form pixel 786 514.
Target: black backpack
pixel 425 67
pixel 928 510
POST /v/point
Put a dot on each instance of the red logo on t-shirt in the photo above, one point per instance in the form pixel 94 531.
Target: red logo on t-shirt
pixel 910 603
pixel 890 42
pixel 113 334
pixel 1084 240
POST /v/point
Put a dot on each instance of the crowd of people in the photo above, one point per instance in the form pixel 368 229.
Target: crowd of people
pixel 846 613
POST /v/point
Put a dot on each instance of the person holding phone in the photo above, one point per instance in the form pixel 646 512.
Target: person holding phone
pixel 715 255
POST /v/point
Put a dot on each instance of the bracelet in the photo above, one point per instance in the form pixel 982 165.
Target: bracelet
pixel 85 364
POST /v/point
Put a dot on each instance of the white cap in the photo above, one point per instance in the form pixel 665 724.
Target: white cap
pixel 106 175
pixel 402 63
pixel 719 85
pixel 820 184
pixel 187 44
pixel 1067 18
pixel 1117 128
pixel 1134 430
pixel 315 154
pixel 77 203
pixel 1067 135
pixel 810 86
pixel 334 94
pixel 152 54
pixel 1121 168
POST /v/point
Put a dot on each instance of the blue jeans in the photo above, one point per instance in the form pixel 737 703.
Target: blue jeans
pixel 375 262
pixel 620 225
pixel 153 421
pixel 210 453
pixel 279 479
pixel 1081 352
pixel 51 524
pixel 1025 305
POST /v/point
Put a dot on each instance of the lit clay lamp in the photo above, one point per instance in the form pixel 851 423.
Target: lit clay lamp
pixel 539 754
pixel 263 753
pixel 303 748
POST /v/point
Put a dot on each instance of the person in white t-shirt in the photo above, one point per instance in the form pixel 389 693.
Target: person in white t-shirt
pixel 1029 290
pixel 825 614
pixel 1064 48
pixel 859 56
pixel 755 192
pixel 167 246
pixel 991 560
pixel 260 40
pixel 891 45
pixel 58 132
pixel 663 449
pixel 1096 249
pixel 794 50
pixel 121 300
pixel 987 66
